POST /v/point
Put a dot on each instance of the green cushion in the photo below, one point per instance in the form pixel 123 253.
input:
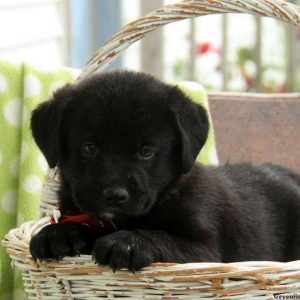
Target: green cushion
pixel 195 91
pixel 22 166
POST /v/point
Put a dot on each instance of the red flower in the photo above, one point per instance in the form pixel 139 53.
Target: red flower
pixel 204 47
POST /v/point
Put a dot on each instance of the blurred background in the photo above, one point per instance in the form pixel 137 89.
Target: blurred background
pixel 235 52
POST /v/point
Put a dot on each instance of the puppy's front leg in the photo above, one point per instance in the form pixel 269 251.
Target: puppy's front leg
pixel 59 240
pixel 139 248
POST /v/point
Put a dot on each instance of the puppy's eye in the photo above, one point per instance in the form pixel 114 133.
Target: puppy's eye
pixel 89 149
pixel 146 152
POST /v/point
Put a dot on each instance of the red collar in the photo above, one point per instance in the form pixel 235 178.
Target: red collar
pixel 84 219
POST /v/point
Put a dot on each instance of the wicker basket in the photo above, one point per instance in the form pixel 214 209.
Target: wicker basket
pixel 80 278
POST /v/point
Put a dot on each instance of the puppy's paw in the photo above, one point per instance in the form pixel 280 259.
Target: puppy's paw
pixel 59 240
pixel 123 249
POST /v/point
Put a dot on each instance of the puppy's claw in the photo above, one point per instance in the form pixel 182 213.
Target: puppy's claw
pixel 122 249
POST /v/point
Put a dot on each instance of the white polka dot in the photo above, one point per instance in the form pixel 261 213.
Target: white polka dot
pixel 12 112
pixel 15 166
pixel 32 184
pixel 3 83
pixel 9 201
pixel 43 163
pixel 213 157
pixel 32 86
pixel 56 85
pixel 24 151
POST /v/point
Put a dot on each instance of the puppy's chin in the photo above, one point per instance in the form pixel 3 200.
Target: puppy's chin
pixel 116 213
pixel 107 216
pixel 120 215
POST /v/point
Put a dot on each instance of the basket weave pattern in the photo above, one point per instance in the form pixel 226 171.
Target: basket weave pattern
pixel 80 278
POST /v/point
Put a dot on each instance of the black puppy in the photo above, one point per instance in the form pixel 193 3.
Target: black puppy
pixel 126 144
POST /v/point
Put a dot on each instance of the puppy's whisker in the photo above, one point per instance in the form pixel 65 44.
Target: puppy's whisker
pixel 113 225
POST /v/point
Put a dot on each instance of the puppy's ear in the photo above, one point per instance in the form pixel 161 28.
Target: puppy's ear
pixel 45 125
pixel 192 124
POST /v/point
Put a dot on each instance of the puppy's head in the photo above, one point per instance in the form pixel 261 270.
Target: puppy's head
pixel 120 139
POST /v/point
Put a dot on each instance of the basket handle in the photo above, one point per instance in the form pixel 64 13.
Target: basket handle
pixel 137 29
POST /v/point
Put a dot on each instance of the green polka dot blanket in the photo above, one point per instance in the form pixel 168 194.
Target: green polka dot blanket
pixel 23 167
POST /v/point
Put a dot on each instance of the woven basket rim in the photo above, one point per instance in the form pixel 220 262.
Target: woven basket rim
pixel 269 276
pixel 23 235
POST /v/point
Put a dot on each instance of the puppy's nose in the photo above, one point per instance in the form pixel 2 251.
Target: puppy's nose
pixel 116 194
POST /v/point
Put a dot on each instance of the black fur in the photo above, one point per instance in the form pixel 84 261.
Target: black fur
pixel 126 145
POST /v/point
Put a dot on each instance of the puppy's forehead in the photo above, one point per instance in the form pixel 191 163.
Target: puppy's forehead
pixel 119 117
pixel 130 112
pixel 122 99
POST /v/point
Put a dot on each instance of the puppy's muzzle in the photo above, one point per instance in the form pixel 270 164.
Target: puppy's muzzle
pixel 115 195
